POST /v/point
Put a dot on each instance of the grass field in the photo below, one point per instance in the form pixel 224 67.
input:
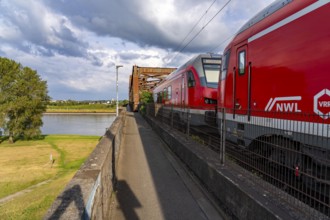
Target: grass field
pixel 95 108
pixel 27 163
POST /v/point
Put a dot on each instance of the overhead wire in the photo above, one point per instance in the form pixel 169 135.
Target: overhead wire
pixel 202 28
pixel 195 25
pixel 222 42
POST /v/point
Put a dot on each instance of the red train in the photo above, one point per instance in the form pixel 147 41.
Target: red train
pixel 275 85
pixel 192 88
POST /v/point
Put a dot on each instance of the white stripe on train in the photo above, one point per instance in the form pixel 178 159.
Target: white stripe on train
pixel 289 19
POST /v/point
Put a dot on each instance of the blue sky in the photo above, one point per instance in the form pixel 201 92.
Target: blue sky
pixel 75 44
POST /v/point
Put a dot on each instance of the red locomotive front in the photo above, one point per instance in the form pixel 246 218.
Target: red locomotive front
pixel 192 87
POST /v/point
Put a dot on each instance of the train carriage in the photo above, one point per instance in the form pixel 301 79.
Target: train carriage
pixel 192 88
pixel 275 86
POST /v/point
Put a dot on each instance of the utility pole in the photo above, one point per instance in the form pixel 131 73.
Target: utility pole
pixel 117 67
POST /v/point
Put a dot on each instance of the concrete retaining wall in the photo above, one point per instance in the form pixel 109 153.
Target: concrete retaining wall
pixel 87 196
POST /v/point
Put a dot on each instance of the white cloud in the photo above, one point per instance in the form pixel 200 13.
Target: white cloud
pixel 75 44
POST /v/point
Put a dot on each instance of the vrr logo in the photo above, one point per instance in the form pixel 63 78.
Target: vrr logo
pixel 322 104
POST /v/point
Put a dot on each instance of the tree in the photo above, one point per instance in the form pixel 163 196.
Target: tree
pixel 146 97
pixel 23 99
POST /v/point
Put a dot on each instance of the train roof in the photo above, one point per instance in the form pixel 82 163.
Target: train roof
pixel 195 61
pixel 273 7
pixel 274 13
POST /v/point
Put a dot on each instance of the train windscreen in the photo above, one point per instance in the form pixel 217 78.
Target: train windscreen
pixel 211 70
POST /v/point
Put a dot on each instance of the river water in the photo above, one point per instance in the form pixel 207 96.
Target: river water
pixel 82 124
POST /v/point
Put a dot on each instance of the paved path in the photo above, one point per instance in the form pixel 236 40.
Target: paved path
pixel 152 184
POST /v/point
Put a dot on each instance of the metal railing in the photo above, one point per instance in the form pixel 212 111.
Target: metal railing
pixel 289 150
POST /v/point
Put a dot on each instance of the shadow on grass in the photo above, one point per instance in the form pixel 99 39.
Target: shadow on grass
pixel 36 138
pixel 22 138
pixel 3 138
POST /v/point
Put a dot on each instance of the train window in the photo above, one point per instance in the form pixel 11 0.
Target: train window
pixel 159 97
pixel 241 62
pixel 224 65
pixel 169 92
pixel 212 72
pixel 191 79
pixel 165 94
pixel 155 97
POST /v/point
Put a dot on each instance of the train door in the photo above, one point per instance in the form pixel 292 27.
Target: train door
pixel 183 93
pixel 241 87
pixel 191 83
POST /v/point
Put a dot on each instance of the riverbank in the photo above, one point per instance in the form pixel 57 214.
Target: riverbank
pixel 79 113
pixel 81 108
pixel 34 172
pixel 65 111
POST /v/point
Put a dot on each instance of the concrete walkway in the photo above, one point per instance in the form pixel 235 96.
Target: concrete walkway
pixel 151 182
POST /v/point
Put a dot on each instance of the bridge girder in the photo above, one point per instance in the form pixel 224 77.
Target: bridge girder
pixel 145 79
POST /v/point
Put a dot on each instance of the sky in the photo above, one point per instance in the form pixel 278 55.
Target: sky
pixel 75 45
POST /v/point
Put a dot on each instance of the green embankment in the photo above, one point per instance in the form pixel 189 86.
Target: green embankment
pixel 27 163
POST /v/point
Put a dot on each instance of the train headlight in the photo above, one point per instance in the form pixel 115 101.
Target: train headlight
pixel 210 101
